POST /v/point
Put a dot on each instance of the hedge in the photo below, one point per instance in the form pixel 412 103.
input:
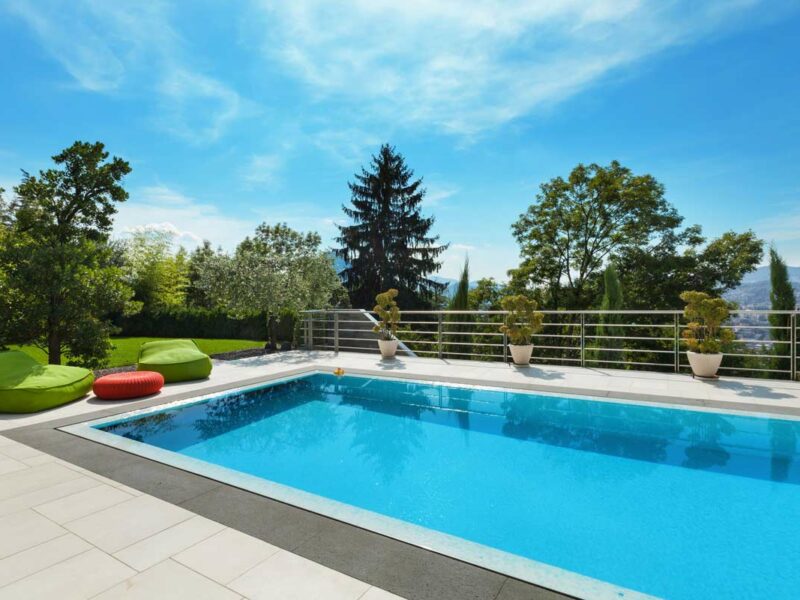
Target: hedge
pixel 201 323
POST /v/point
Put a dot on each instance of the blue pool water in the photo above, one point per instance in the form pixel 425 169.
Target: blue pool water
pixel 673 503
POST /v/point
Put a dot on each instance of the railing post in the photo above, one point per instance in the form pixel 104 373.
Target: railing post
pixel 583 339
pixel 793 348
pixel 505 347
pixel 310 331
pixel 677 343
pixel 439 327
pixel 336 331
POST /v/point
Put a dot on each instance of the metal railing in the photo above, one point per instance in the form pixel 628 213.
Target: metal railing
pixel 627 339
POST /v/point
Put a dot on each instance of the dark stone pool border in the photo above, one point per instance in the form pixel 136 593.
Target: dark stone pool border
pixel 398 567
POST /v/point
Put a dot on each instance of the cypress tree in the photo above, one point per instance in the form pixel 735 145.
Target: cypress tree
pixel 612 300
pixel 388 244
pixel 460 301
pixel 781 296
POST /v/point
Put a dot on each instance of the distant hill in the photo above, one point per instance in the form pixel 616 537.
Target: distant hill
pixel 753 292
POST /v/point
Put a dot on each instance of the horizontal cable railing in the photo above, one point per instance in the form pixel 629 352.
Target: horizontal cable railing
pixel 626 339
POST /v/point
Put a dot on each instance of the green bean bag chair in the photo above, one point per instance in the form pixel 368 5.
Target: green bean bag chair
pixel 176 360
pixel 26 386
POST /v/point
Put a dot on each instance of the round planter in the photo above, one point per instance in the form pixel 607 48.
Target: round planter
pixel 388 348
pixel 521 354
pixel 704 365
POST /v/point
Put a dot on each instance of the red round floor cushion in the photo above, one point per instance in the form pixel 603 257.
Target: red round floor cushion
pixel 134 384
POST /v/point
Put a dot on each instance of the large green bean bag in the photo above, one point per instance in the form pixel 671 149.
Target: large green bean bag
pixel 26 386
pixel 176 360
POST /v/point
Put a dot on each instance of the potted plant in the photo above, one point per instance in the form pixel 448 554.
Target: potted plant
pixel 389 314
pixel 520 323
pixel 704 334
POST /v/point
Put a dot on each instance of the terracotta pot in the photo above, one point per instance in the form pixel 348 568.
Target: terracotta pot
pixel 521 354
pixel 704 365
pixel 388 348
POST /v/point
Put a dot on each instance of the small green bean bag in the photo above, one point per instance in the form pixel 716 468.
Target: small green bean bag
pixel 176 360
pixel 26 386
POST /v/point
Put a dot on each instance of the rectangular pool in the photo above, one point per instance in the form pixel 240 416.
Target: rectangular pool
pixel 593 498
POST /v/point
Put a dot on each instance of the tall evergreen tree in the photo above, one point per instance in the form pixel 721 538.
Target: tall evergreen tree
pixel 389 244
pixel 460 344
pixel 612 300
pixel 781 296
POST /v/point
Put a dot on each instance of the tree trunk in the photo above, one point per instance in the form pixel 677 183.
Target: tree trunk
pixel 272 329
pixel 53 346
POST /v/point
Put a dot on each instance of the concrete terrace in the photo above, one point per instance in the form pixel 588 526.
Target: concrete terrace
pixel 82 520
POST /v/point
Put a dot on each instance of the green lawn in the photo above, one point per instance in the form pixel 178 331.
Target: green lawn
pixel 126 349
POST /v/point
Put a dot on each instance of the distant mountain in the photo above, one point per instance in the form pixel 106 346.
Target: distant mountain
pixel 452 284
pixel 753 292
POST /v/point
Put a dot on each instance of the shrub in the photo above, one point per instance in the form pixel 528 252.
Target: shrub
pixel 706 314
pixel 522 320
pixel 389 314
pixel 202 323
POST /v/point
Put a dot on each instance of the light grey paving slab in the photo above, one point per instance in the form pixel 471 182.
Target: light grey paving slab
pixel 151 551
pixel 76 578
pixel 119 526
pixel 9 465
pixel 34 478
pixel 82 503
pixel 291 577
pixel 168 580
pixel 40 496
pixel 22 530
pixel 226 555
pixel 32 560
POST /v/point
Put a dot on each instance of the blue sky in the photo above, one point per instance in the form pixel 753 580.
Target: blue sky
pixel 236 113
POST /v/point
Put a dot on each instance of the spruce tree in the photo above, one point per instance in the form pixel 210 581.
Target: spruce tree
pixel 781 296
pixel 388 245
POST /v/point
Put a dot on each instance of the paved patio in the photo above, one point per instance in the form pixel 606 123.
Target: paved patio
pixel 69 532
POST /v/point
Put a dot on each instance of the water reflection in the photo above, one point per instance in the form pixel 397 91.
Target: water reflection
pixel 738 445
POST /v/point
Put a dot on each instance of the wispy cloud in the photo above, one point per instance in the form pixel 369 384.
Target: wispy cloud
pixel 262 170
pixel 437 194
pixel 465 67
pixel 132 48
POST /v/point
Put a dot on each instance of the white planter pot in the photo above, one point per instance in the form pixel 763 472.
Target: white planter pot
pixel 521 354
pixel 388 348
pixel 704 365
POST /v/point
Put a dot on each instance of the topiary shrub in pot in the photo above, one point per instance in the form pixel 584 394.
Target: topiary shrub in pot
pixel 521 322
pixel 389 318
pixel 704 334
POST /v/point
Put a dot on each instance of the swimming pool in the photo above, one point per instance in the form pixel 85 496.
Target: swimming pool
pixel 594 498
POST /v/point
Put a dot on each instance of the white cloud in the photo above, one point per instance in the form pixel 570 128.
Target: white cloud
pixel 437 194
pixel 350 146
pixel 485 260
pixel 131 48
pixel 163 208
pixel 467 66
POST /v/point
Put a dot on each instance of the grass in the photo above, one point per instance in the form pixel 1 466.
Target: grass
pixel 126 349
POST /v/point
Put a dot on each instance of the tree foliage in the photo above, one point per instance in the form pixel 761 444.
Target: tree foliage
pixel 577 223
pixel 278 270
pixel 158 275
pixel 654 275
pixel 609 323
pixel 459 324
pixel 389 244
pixel 60 277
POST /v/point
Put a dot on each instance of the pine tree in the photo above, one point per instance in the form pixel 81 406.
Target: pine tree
pixel 781 297
pixel 612 300
pixel 460 344
pixel 389 244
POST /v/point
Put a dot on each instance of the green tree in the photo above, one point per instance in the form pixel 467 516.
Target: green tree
pixel 389 244
pixel 781 296
pixel 486 295
pixel 654 275
pixel 59 273
pixel 195 295
pixel 609 323
pixel 578 222
pixel 158 276
pixel 277 271
pixel 459 324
